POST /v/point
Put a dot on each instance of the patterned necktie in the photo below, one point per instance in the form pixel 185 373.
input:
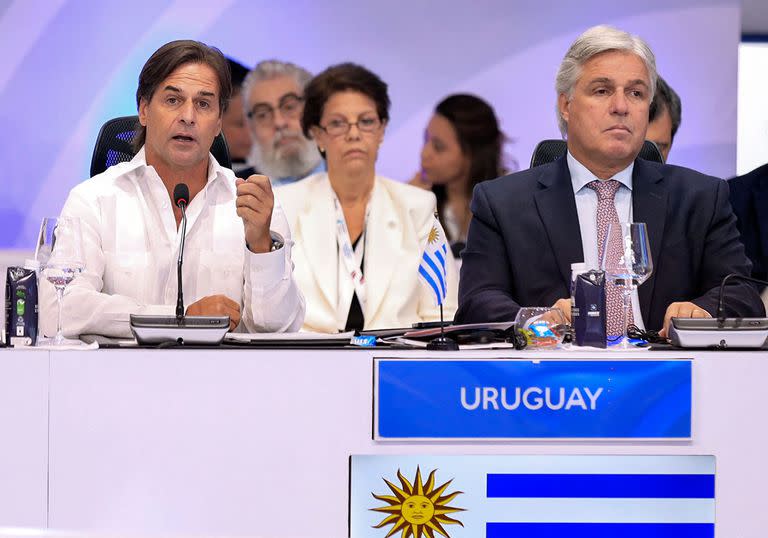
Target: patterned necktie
pixel 606 214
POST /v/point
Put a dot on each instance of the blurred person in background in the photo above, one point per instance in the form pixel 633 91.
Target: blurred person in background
pixel 749 198
pixel 359 236
pixel 665 116
pixel 274 100
pixel 234 122
pixel 462 147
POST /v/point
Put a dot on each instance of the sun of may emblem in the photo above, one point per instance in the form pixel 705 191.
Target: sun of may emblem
pixel 433 236
pixel 417 510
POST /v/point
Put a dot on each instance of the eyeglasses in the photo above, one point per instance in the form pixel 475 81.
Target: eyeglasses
pixel 290 106
pixel 342 127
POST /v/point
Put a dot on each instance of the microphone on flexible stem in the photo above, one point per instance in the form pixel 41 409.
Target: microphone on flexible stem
pixel 179 329
pixel 721 332
pixel 721 303
pixel 180 200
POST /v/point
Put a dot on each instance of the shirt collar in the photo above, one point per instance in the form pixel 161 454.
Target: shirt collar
pixel 216 172
pixel 580 175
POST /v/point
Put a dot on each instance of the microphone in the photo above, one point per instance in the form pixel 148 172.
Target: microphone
pixel 721 332
pixel 721 303
pixel 180 200
pixel 179 329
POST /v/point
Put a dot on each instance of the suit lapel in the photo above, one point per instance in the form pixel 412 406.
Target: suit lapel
pixel 384 242
pixel 317 233
pixel 556 205
pixel 649 205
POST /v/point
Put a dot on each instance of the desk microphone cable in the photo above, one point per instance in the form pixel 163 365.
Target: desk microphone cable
pixel 636 333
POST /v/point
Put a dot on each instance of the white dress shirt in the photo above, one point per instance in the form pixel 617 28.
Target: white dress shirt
pixel 586 207
pixel 131 242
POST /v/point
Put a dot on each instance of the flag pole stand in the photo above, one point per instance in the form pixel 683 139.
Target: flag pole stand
pixel 442 342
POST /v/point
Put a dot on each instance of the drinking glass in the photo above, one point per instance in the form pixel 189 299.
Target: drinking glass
pixel 628 268
pixel 60 255
pixel 542 326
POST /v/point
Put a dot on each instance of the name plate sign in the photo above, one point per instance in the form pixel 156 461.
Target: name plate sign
pixel 542 399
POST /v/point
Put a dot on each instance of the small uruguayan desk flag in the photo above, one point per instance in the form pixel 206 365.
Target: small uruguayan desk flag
pixel 432 269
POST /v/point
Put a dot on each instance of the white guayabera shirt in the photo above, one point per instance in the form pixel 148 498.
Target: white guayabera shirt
pixel 131 243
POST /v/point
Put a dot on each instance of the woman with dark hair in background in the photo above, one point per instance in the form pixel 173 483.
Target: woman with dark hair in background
pixel 462 147
pixel 358 236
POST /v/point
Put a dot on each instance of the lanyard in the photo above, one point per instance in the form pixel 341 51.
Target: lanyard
pixel 348 253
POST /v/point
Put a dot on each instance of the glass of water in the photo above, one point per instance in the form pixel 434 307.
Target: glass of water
pixel 542 326
pixel 627 262
pixel 60 255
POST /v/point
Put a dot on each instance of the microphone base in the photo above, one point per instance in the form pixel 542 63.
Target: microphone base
pixel 189 330
pixel 711 333
pixel 442 343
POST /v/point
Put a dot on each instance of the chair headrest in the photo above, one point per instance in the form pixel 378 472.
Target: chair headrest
pixel 547 151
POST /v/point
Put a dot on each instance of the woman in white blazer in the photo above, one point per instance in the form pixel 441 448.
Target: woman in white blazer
pixel 358 236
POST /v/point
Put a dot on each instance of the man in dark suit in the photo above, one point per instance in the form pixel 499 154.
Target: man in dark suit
pixel 749 198
pixel 529 227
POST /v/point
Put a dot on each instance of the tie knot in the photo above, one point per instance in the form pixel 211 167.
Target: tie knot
pixel 604 189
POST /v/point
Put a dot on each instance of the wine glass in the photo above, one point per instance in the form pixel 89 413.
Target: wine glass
pixel 542 326
pixel 59 253
pixel 628 264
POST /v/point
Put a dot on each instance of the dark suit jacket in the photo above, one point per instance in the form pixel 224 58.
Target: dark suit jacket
pixel 749 198
pixel 524 235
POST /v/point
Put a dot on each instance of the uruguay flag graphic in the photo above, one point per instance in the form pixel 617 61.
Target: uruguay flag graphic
pixel 532 496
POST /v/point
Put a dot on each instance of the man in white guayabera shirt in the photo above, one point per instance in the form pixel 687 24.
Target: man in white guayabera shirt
pixel 237 256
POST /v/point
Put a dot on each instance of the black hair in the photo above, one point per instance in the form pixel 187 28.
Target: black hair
pixel 666 99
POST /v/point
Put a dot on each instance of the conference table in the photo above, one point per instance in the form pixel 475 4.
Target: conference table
pixel 257 442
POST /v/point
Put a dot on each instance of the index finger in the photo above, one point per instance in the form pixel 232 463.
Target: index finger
pixel 262 191
pixel 260 180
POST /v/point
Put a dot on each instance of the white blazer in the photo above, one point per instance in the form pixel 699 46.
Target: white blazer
pixel 399 222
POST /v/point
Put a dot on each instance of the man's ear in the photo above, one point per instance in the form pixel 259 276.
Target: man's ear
pixel 562 106
pixel 143 111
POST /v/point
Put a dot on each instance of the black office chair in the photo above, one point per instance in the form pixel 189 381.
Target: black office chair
pixel 548 150
pixel 113 145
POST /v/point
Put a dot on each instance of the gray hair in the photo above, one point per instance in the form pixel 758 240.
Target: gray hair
pixel 269 69
pixel 594 41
